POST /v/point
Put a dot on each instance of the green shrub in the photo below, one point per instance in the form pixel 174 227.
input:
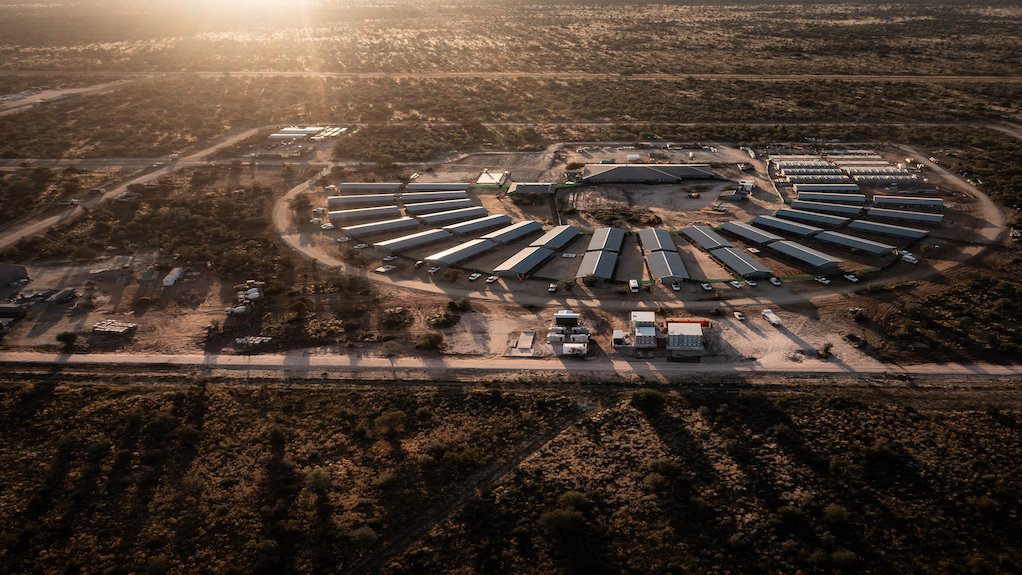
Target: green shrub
pixel 648 401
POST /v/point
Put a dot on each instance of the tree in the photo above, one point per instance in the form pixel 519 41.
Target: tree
pixel 68 338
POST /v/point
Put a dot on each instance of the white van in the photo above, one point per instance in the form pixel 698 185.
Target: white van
pixel 633 286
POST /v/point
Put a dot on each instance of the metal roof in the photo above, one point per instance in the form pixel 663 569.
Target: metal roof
pixel 523 262
pixel 812 171
pixel 741 263
pixel 423 207
pixel 513 232
pixel 825 207
pixel 856 243
pixel 850 188
pixel 530 188
pixel 609 239
pixel 402 243
pixel 773 223
pixel 557 237
pixel 811 217
pixel 461 252
pixel 818 179
pixel 654 240
pixel 452 215
pixel 335 202
pixel 364 213
pixel 433 196
pixel 859 199
pixel 598 264
pixel 908 201
pixel 887 229
pixel 705 237
pixel 819 261
pixel 379 227
pixel 666 266
pixel 641 173
pixel 479 224
pixel 748 233
pixel 370 186
pixel 921 217
pixel 435 186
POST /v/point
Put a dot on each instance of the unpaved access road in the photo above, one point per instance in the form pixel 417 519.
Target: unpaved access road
pixel 301 361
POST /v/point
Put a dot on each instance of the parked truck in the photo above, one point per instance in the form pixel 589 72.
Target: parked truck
pixel 770 316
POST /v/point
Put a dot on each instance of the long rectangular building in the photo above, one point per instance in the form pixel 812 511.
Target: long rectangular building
pixel 457 215
pixel 557 238
pixel 339 202
pixel 920 217
pixel 381 227
pixel 514 232
pixel 814 218
pixel 479 224
pixel 435 186
pixel 818 179
pixel 364 213
pixel 400 244
pixel 645 173
pixel 817 261
pixel 857 199
pixel 425 207
pixel 840 188
pixel 599 265
pixel 855 243
pixel 654 240
pixel 461 252
pixel 777 224
pixel 666 266
pixel 523 262
pixel 887 230
pixel 433 196
pixel 370 186
pixel 748 233
pixel 705 237
pixel 885 201
pixel 827 208
pixel 608 239
pixel 741 263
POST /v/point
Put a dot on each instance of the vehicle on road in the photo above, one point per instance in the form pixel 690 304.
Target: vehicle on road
pixel 389 258
pixel 492 279
pixel 750 283
pixel 433 270
pixel 852 278
pixel 474 276
pixel 633 286
pixel 775 281
pixel 909 258
pixel 693 195
pixel 418 264
pixel 343 239
pixel 326 226
pixel 361 246
pixel 823 280
pixel 676 286
pixel 735 284
pixel 706 287
pixel 384 269
pixel 739 316
pixel 551 288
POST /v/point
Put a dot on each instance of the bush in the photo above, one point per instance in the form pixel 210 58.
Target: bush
pixel 835 514
pixel 68 338
pixel 433 341
pixel 561 523
pixel 573 500
pixel 648 401
pixel 390 422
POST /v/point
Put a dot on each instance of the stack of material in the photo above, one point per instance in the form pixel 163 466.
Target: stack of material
pixel 114 327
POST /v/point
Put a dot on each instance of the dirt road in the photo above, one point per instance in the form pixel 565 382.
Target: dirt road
pixel 301 361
